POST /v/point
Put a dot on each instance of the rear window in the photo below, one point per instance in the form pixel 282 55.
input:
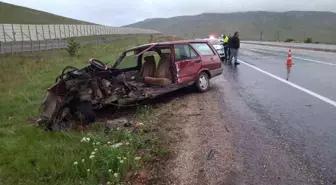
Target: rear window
pixel 203 49
pixel 184 52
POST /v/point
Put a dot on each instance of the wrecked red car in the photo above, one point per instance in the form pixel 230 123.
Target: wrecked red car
pixel 139 73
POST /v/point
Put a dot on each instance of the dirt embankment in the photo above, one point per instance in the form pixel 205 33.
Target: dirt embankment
pixel 200 141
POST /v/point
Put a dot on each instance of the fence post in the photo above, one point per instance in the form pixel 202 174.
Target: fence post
pixel 3 28
pixel 11 47
pixel 43 32
pixel 60 30
pixel 31 42
pixel 36 32
pixel 21 38
pixel 57 43
pixel 53 45
pixel 55 32
pixel 64 31
pixel 13 32
pixel 0 47
pixel 49 31
pixel 39 45
pixel 69 30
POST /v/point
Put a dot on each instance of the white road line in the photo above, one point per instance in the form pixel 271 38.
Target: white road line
pixel 315 61
pixel 325 99
pixel 311 60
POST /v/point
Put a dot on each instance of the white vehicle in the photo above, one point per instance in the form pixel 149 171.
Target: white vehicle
pixel 218 45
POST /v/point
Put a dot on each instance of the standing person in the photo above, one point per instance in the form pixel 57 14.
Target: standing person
pixel 228 48
pixel 225 44
pixel 234 46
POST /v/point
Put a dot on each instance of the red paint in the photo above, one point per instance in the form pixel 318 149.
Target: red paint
pixel 188 70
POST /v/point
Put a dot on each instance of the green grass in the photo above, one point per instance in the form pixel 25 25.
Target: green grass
pixel 13 14
pixel 31 156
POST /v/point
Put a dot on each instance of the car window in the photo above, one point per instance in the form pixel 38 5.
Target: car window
pixel 130 60
pixel 203 49
pixel 183 52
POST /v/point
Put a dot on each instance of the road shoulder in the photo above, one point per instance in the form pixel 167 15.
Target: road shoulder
pixel 202 145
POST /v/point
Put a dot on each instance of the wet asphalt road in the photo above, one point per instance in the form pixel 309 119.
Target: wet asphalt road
pixel 282 135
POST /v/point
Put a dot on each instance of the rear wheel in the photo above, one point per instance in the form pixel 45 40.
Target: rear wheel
pixel 202 83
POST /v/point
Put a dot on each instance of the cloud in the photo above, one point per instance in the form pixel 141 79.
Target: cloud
pixel 122 12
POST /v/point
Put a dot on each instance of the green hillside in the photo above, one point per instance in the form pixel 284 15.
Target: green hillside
pixel 294 24
pixel 12 14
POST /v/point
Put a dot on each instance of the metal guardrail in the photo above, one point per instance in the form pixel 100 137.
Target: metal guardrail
pixel 321 47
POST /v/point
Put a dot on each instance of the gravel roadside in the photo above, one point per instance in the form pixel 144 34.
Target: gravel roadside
pixel 203 149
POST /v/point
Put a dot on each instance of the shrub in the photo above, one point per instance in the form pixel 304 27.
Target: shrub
pixel 72 47
pixel 308 40
pixel 289 40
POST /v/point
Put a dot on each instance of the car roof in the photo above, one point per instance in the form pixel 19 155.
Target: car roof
pixel 168 43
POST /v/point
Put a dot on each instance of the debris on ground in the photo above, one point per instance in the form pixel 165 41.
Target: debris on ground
pixel 117 123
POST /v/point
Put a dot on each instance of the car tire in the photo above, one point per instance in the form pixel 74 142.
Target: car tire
pixel 202 83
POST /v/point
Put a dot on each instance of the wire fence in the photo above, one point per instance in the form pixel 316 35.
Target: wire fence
pixel 25 37
pixel 33 46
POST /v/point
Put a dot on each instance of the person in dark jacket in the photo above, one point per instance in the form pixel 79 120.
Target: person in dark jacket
pixel 234 45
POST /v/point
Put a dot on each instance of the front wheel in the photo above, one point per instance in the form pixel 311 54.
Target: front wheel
pixel 202 83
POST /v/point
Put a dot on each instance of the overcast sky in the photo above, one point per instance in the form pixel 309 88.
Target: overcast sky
pixel 122 12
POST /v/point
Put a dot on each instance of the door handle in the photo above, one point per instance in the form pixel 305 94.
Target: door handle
pixel 197 61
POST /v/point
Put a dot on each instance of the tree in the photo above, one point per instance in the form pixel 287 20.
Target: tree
pixel 72 47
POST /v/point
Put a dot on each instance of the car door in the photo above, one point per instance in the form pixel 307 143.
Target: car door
pixel 209 56
pixel 187 63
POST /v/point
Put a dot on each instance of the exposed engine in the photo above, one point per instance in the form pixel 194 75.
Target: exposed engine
pixel 77 92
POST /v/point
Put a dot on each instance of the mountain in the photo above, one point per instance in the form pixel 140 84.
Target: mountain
pixel 299 25
pixel 13 14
